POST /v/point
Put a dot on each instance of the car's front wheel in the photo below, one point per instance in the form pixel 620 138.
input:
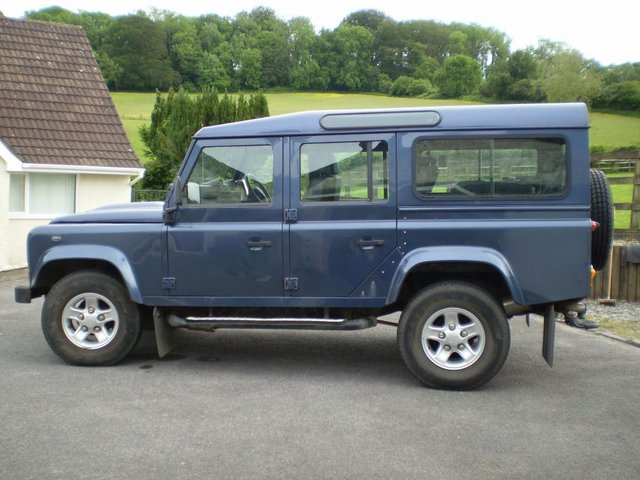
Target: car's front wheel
pixel 89 319
pixel 453 335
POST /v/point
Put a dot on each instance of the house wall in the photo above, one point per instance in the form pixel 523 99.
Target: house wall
pixel 92 191
pixel 18 229
pixel 4 216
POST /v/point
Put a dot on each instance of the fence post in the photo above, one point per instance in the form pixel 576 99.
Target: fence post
pixel 635 209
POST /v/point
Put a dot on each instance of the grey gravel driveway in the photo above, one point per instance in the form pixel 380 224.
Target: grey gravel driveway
pixel 306 405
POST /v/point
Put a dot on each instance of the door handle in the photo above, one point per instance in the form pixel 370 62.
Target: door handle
pixel 370 243
pixel 258 244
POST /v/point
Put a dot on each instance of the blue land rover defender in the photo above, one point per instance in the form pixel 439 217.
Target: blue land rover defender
pixel 458 217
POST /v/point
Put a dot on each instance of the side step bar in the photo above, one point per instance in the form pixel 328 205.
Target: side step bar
pixel 166 323
pixel 212 323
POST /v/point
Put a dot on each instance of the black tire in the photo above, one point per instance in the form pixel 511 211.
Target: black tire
pixel 601 212
pixel 89 319
pixel 463 318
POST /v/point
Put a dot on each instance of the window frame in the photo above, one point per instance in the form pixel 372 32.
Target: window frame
pixel 370 198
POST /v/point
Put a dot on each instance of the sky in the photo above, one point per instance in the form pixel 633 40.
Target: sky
pixel 603 32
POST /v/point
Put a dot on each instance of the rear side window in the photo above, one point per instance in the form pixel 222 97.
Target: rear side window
pixel 505 167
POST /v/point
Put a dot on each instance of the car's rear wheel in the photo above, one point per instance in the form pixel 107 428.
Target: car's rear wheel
pixel 89 319
pixel 454 335
pixel 601 212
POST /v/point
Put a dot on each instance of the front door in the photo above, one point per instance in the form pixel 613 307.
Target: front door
pixel 227 239
pixel 342 198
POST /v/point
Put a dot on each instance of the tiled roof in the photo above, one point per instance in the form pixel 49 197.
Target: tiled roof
pixel 54 105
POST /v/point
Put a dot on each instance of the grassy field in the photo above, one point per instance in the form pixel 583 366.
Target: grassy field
pixel 607 130
pixel 614 131
pixel 135 108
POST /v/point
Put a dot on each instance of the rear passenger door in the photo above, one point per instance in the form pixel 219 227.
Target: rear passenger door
pixel 342 212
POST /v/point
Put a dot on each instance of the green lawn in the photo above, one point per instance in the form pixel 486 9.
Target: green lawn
pixel 608 130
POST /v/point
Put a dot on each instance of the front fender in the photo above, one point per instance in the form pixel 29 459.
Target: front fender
pixel 482 255
pixel 110 255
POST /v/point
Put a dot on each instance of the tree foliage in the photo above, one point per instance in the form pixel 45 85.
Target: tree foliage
pixel 460 75
pixel 138 46
pixel 177 115
pixel 368 51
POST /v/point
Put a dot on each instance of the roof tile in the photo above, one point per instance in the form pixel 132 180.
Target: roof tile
pixel 55 108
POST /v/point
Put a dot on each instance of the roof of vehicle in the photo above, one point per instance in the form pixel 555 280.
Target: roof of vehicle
pixel 467 117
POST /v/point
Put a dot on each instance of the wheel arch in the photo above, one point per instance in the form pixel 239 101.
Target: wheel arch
pixel 482 266
pixel 60 261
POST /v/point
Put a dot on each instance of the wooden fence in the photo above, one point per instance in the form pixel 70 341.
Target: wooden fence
pixel 627 163
pixel 619 280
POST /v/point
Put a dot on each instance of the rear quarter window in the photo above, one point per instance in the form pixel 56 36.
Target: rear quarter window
pixel 490 167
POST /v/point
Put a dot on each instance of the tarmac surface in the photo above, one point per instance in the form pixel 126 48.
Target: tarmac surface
pixel 328 405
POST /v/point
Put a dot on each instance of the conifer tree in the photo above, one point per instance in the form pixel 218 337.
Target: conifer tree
pixel 177 116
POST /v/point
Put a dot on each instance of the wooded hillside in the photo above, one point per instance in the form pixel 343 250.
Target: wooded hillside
pixel 367 52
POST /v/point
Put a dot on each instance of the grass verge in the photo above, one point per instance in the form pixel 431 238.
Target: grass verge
pixel 627 329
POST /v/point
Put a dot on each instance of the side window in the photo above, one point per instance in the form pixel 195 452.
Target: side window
pixel 231 175
pixel 505 167
pixel 346 171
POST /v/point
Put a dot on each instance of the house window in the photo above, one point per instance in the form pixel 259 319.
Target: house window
pixel 42 193
pixel 16 192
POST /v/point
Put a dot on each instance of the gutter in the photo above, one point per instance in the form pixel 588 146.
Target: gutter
pixel 15 165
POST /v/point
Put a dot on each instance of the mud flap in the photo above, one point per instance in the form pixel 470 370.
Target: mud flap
pixel 165 335
pixel 549 334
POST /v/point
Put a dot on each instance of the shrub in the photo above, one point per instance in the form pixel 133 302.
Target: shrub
pixel 177 116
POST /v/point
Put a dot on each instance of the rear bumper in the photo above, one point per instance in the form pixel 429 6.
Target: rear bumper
pixel 23 294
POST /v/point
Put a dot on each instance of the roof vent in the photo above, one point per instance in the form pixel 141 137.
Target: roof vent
pixel 399 119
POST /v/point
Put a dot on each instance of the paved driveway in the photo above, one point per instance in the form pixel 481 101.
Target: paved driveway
pixel 300 405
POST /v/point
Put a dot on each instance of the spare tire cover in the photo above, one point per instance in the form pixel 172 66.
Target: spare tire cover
pixel 601 212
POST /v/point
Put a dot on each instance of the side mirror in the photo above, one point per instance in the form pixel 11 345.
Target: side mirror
pixel 177 191
pixel 171 205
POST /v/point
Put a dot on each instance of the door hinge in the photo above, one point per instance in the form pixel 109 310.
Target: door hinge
pixel 169 283
pixel 290 283
pixel 290 215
